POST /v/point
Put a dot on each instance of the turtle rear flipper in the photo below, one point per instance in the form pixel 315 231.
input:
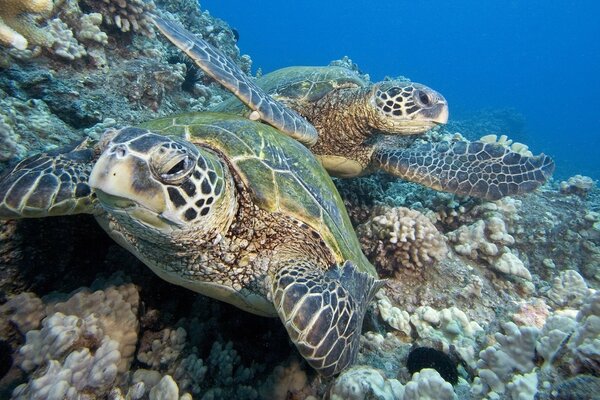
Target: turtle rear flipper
pixel 48 184
pixel 218 66
pixel 323 312
pixel 485 170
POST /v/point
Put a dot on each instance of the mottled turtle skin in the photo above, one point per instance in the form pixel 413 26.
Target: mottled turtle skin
pixel 363 127
pixel 224 206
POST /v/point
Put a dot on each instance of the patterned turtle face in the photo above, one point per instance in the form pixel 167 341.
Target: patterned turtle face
pixel 407 107
pixel 150 181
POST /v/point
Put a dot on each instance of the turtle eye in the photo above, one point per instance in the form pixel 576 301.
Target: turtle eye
pixel 176 169
pixel 423 98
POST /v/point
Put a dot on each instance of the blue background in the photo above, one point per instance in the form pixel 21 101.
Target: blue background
pixel 541 57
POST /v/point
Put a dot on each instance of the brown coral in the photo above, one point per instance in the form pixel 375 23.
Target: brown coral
pixel 17 22
pixel 399 238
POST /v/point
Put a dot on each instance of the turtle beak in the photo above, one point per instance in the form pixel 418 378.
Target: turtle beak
pixel 443 113
pixel 123 180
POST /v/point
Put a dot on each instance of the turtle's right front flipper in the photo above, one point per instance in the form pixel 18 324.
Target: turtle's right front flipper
pixel 485 170
pixel 218 66
pixel 323 311
pixel 48 184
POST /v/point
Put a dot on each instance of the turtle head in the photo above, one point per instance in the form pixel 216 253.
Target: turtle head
pixel 157 185
pixel 407 107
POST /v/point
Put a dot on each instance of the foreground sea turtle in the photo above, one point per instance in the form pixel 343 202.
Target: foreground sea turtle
pixel 366 127
pixel 224 206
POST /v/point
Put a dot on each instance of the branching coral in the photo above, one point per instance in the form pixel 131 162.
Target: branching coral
pixel 17 22
pixel 511 356
pixel 398 238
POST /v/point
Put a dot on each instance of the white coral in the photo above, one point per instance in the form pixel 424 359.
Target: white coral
pixel 24 310
pixel 166 349
pixel 510 264
pixel 90 28
pixel 62 43
pixel 365 383
pixel 450 326
pixel 578 184
pixel 569 289
pixel 58 335
pixel 553 334
pixel 522 387
pixel 503 140
pixel 585 341
pixel 488 239
pixel 427 384
pixel 80 371
pixel 513 353
pixel 166 389
pixel 395 317
pixel 126 15
pixel 116 309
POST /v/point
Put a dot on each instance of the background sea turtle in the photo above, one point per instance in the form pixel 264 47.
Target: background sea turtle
pixel 365 127
pixel 224 206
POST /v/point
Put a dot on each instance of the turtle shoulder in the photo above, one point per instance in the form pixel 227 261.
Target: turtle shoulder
pixel 308 83
pixel 296 86
pixel 281 174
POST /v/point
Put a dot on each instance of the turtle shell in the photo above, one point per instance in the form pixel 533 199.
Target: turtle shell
pixel 282 175
pixel 299 85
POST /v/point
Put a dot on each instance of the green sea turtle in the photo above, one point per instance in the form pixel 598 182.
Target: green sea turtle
pixel 365 127
pixel 224 206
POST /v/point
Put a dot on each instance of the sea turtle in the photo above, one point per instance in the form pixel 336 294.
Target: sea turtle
pixel 365 127
pixel 224 206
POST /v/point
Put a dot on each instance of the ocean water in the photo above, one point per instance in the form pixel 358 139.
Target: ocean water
pixel 540 58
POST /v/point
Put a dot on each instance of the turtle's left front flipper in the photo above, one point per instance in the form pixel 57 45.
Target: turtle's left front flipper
pixel 323 311
pixel 217 65
pixel 485 170
pixel 48 184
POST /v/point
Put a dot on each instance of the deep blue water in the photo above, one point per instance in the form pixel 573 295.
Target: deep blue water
pixel 541 57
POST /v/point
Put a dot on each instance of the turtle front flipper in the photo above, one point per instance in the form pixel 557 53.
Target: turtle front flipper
pixel 48 184
pixel 218 66
pixel 485 170
pixel 323 311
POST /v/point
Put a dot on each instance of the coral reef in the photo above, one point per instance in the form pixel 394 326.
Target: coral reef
pixel 459 270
